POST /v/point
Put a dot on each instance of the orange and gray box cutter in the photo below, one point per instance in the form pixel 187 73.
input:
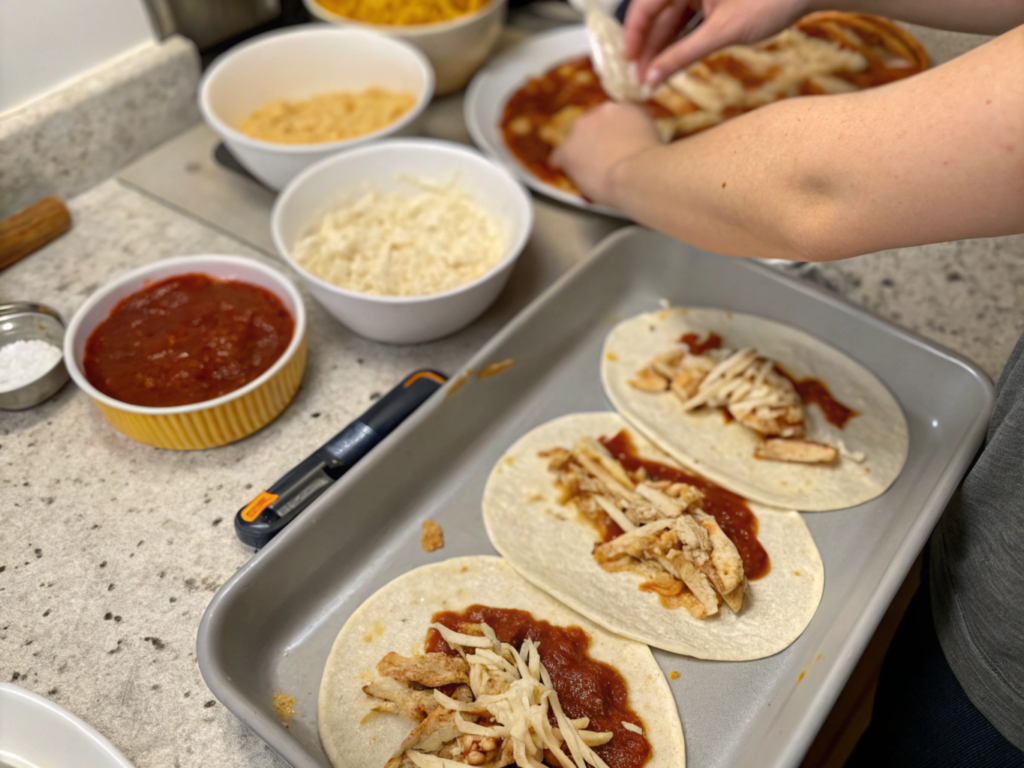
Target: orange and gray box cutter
pixel 266 515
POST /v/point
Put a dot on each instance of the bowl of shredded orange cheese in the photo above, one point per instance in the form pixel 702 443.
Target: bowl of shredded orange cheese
pixel 402 13
pixel 332 116
pixel 456 35
pixel 286 99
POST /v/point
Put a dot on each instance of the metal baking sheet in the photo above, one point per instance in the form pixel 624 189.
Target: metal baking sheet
pixel 269 628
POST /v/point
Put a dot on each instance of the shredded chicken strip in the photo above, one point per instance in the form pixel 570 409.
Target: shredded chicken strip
pixel 753 391
pixel 666 536
pixel 430 669
pixel 510 688
pixel 800 451
pixel 411 703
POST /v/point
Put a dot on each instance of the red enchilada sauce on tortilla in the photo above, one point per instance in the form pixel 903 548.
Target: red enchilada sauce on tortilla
pixel 698 347
pixel 730 510
pixel 810 390
pixel 586 687
pixel 187 339
pixel 815 391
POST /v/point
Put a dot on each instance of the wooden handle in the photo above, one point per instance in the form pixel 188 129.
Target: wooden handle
pixel 31 229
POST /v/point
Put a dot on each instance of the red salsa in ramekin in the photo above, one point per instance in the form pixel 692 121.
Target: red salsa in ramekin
pixel 187 339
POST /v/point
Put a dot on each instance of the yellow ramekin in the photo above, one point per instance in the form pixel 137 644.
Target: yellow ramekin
pixel 209 423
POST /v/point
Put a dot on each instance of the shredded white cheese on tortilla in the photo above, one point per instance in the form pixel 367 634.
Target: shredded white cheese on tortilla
pixel 791 57
pixel 391 244
pixel 520 709
pixel 846 453
pixel 743 382
pixel 616 514
pixel 631 727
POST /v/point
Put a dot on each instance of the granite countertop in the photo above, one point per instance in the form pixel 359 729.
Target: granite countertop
pixel 111 550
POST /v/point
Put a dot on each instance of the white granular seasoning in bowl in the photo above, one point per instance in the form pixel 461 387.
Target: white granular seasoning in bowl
pixel 392 244
pixel 22 362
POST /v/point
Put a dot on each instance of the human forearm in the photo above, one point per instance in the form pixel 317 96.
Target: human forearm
pixel 761 186
pixel 987 17
pixel 652 26
pixel 935 157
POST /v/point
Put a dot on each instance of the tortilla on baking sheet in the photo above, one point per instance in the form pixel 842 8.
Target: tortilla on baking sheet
pixel 725 452
pixel 553 548
pixel 369 694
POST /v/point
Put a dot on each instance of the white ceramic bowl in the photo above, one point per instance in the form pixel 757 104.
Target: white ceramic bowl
pixel 400 319
pixel 208 423
pixel 36 732
pixel 297 63
pixel 456 48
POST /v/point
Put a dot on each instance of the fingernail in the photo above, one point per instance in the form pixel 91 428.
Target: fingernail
pixel 653 77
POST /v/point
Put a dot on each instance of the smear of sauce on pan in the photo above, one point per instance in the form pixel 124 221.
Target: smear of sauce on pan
pixel 493 369
pixel 284 707
pixel 457 383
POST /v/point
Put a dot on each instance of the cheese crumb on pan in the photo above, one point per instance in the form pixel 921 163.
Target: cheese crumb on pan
pixel 392 244
pixel 431 536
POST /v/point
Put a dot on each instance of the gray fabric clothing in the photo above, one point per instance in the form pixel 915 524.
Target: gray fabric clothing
pixel 977 566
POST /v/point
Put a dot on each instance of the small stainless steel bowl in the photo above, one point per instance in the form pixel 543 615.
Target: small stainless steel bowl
pixel 24 321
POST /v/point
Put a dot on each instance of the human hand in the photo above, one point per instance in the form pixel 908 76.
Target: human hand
pixel 599 142
pixel 652 27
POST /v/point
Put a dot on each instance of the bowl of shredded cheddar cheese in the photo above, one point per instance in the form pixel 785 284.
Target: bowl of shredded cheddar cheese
pixel 457 36
pixel 406 240
pixel 287 99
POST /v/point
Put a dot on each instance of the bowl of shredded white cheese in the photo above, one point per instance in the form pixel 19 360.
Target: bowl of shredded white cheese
pixel 404 241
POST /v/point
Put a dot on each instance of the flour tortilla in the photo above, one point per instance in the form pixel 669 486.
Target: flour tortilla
pixel 723 452
pixel 607 45
pixel 396 617
pixel 551 546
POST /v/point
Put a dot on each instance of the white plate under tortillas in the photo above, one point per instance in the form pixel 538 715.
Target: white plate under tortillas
pixel 505 74
pixel 723 452
pixel 547 543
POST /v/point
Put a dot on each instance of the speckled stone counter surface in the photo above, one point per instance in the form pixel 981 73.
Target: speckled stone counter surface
pixel 968 295
pixel 110 550
pixel 69 141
